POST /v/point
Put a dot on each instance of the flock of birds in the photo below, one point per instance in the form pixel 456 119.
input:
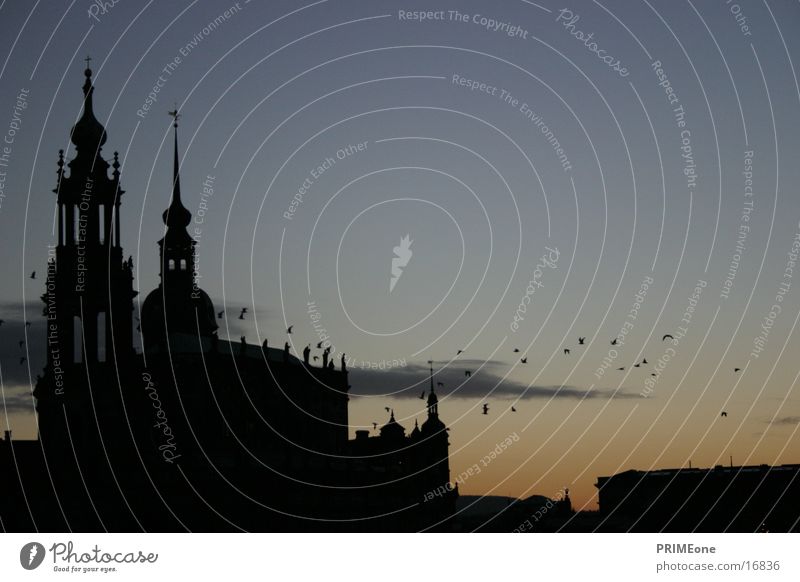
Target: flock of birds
pixel 467 373
pixel 568 351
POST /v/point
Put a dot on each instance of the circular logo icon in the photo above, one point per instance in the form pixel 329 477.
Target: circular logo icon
pixel 31 555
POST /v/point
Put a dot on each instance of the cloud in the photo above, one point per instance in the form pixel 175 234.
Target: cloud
pixel 785 421
pixel 16 400
pixel 409 382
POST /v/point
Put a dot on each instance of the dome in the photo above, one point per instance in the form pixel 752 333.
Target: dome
pixel 177 216
pixel 88 133
pixel 173 313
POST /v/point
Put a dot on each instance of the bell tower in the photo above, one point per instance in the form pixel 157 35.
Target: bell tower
pixel 92 284
pixel 178 305
pixel 88 298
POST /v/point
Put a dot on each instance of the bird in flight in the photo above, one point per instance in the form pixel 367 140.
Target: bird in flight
pixel 636 365
pixel 644 360
pixel 524 360
pixel 387 409
pixel 654 374
pixel 422 396
pixel 220 314
pixel 21 343
pixel 581 340
pixel 316 358
pixel 724 413
pixel 516 350
pixel 459 352
pixel 374 426
pixel 27 324
pixel 319 345
pixel 566 351
pixel 33 275
pixel 486 409
pixel 513 409
pixel 241 314
pixel 622 368
pixel 467 373
pixel 737 369
pixel 289 329
pixel 614 342
pixel 667 335
pixel 440 384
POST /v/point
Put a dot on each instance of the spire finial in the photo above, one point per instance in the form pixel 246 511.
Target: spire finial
pixel 175 116
pixel 176 180
pixel 88 60
pixel 430 362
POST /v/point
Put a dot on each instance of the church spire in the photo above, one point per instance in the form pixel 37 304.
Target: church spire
pixel 433 401
pixel 88 134
pixel 176 215
pixel 178 305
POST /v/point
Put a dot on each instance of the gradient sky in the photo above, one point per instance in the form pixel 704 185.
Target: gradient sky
pixel 278 87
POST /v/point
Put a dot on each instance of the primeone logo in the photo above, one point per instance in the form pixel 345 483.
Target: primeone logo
pixel 31 555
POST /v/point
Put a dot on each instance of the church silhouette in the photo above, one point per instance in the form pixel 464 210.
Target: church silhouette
pixel 195 433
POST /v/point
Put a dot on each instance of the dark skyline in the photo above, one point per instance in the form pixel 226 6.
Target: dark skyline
pixel 387 126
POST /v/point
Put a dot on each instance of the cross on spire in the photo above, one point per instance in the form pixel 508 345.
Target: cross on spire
pixel 175 115
pixel 88 60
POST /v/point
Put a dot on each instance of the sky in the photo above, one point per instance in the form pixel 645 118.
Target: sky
pixel 595 169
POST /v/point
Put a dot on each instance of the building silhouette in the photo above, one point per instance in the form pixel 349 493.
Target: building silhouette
pixel 195 432
pixel 736 499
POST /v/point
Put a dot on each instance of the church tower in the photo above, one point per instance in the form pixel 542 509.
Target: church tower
pixel 178 306
pixel 436 444
pixel 92 283
pixel 89 289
